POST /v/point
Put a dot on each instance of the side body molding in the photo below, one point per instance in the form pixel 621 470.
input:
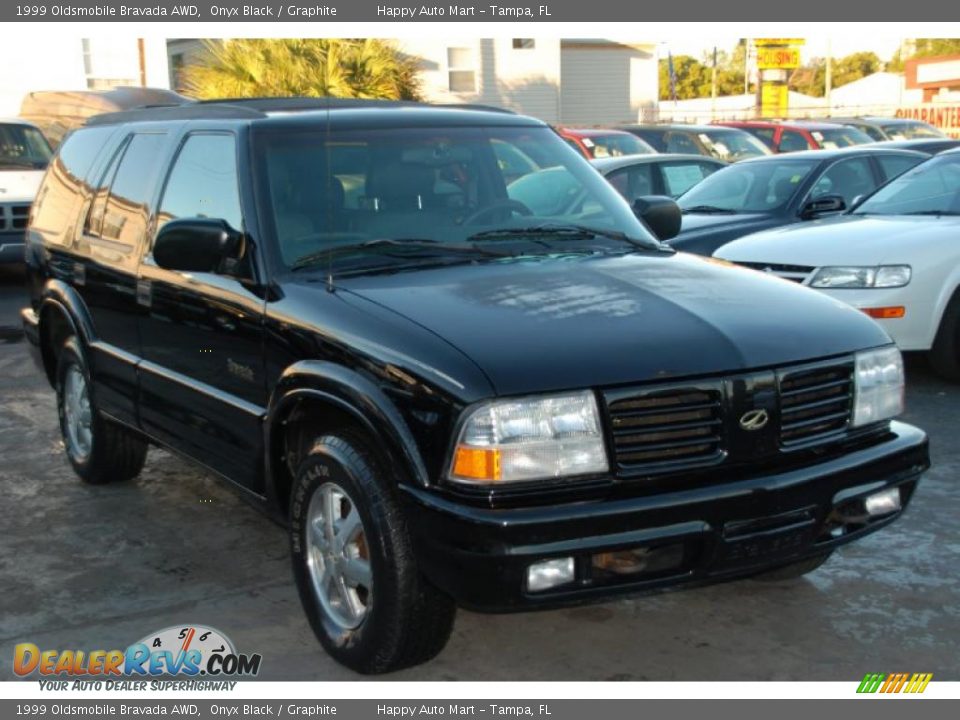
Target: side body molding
pixel 352 393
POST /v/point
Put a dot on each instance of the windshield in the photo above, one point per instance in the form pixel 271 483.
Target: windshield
pixel 911 131
pixel 22 146
pixel 749 187
pixel 615 145
pixel 931 188
pixel 450 190
pixel 732 145
pixel 830 139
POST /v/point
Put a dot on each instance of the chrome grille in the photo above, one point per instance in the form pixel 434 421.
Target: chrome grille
pixel 816 403
pixel 797 273
pixel 666 426
pixel 14 216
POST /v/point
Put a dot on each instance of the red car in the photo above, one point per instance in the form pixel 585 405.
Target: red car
pixel 598 143
pixel 782 137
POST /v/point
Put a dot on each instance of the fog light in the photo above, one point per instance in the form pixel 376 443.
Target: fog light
pixel 883 503
pixel 549 573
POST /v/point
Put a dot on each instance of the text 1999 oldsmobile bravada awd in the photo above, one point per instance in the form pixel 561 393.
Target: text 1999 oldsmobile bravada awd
pixel 455 392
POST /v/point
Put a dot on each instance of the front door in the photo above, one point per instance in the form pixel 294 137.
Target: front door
pixel 202 387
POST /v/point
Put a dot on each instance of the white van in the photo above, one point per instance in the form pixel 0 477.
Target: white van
pixel 24 154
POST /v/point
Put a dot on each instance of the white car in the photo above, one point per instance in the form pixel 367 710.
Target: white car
pixel 24 154
pixel 896 257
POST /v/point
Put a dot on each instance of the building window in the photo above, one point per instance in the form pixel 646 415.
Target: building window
pixel 176 71
pixel 110 63
pixel 524 43
pixel 461 70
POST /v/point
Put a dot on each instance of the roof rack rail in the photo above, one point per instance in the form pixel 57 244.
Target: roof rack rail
pixel 240 108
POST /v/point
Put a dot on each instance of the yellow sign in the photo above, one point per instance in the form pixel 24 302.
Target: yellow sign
pixel 760 42
pixel 777 58
pixel 773 100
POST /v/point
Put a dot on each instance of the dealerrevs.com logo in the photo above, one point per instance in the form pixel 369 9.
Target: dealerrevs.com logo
pixel 182 650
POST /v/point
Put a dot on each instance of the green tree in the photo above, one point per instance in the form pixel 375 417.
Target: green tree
pixel 923 47
pixel 694 78
pixel 811 79
pixel 353 68
pixel 690 74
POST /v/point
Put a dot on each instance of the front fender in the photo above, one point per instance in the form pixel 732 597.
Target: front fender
pixel 58 296
pixel 354 394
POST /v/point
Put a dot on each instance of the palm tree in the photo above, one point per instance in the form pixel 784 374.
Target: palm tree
pixel 356 68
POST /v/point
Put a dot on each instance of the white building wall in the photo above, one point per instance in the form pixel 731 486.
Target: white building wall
pixel 525 80
pixel 61 65
pixel 606 83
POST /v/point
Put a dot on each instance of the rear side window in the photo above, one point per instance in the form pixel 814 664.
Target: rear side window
pixel 791 141
pixel 893 165
pixel 678 177
pixel 120 214
pixel 203 182
pixel 633 181
pixel 64 187
pixel 765 135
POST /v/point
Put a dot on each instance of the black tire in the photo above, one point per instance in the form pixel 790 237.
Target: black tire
pixel 793 570
pixel 115 454
pixel 408 621
pixel 945 354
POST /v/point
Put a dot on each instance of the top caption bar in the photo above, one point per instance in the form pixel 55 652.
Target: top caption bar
pixel 548 11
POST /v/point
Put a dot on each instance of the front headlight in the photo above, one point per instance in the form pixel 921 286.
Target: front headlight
pixel 530 439
pixel 878 393
pixel 884 276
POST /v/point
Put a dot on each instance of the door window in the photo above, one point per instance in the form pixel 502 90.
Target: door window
pixel 203 182
pixel 847 178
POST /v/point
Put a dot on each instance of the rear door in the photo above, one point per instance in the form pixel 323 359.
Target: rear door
pixel 105 271
pixel 202 387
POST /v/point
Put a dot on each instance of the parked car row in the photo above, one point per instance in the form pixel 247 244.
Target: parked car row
pixel 733 140
pixel 895 256
pixel 872 224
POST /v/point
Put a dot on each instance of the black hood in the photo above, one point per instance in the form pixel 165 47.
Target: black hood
pixel 549 323
pixel 703 233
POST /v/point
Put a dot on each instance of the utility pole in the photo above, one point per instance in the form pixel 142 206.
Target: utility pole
pixel 713 82
pixel 828 79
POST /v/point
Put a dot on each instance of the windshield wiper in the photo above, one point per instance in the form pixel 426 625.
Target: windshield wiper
pixel 709 210
pixel 564 231
pixel 390 246
pixel 936 213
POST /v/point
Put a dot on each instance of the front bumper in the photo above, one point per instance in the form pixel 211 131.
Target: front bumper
pixel 480 556
pixel 914 331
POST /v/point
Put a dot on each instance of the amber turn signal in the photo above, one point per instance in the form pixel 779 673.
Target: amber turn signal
pixel 886 313
pixel 477 463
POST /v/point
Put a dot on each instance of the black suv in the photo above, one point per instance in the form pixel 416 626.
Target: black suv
pixel 451 396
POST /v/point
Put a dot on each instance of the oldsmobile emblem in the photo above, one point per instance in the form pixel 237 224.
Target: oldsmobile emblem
pixel 754 419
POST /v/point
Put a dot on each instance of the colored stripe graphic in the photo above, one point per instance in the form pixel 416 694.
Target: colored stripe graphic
pixel 894 683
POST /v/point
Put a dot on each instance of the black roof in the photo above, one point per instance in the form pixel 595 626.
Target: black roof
pixel 830 154
pixel 680 126
pixel 609 164
pixel 924 145
pixel 305 109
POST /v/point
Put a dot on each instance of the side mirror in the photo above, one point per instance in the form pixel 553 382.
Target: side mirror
pixel 197 245
pixel 659 213
pixel 822 205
